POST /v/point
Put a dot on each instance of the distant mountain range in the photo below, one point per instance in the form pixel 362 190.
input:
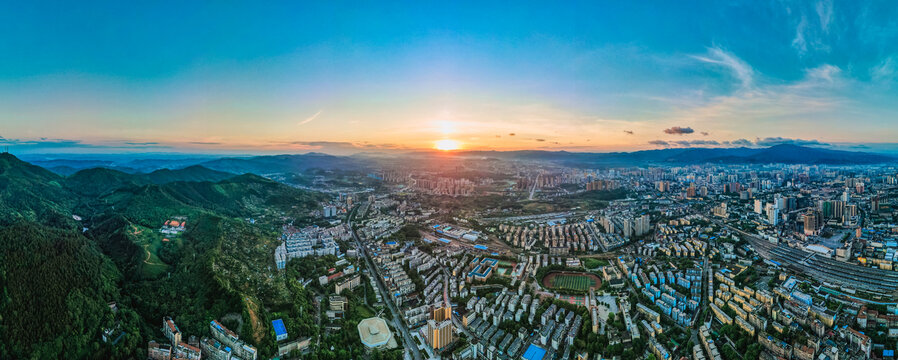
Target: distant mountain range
pixel 286 163
pixel 782 154
pixel 96 181
pixel 154 170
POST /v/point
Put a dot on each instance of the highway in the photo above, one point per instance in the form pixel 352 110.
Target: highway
pixel 398 323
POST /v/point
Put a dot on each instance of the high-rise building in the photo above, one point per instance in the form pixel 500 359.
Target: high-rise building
pixel 440 330
pixel 773 214
pixel 690 191
pixel 810 224
pixel 643 225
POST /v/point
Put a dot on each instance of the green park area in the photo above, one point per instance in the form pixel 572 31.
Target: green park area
pixel 580 282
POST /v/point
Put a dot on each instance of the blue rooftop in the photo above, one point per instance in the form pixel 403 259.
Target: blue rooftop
pixel 279 328
pixel 534 353
pixel 480 247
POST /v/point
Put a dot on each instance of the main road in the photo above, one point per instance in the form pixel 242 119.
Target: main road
pixel 398 323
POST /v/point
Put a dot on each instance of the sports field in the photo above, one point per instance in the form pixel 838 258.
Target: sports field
pixel 571 281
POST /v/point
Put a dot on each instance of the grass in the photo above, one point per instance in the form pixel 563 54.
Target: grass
pixel 364 311
pixel 152 266
pixel 594 263
pixel 573 282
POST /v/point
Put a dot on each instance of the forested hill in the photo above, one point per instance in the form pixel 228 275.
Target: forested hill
pixel 31 193
pixel 97 181
pixel 64 286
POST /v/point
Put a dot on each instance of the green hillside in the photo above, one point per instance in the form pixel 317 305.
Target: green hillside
pixel 220 265
pixel 98 181
pixel 190 173
pixel 32 193
pixel 56 285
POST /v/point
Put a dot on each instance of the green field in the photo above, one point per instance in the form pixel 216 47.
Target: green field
pixel 573 282
pixel 152 266
pixel 594 263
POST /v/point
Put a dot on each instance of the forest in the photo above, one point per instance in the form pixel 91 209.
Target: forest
pixel 85 272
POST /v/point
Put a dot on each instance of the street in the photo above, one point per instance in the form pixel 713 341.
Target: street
pixel 398 323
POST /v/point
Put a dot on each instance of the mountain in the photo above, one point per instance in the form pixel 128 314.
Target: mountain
pixel 58 280
pixel 190 173
pixel 56 285
pixel 241 196
pixel 98 181
pixel 286 163
pixel 32 193
pixel 793 154
pixel 786 154
pixel 68 164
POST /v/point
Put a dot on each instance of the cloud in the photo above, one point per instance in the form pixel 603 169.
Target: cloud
pixel 147 143
pixel 885 71
pixel 629 132
pixel 338 147
pixel 324 143
pixel 204 143
pixel 676 130
pixel 686 143
pixel 773 141
pixel 540 140
pixel 719 57
pixel 738 142
pixel 510 134
pixel 799 42
pixel 825 72
pixel 705 133
pixel 810 34
pixel 310 118
pixel 45 145
pixel 825 13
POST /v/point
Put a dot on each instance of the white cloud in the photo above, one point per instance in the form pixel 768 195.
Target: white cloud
pixel 825 72
pixel 799 42
pixel 886 71
pixel 741 70
pixel 310 118
pixel 825 13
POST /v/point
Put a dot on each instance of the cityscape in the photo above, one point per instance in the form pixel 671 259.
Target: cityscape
pixel 332 181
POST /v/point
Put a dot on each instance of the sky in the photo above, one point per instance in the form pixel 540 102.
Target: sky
pixel 347 77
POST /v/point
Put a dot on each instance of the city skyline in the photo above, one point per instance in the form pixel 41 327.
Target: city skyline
pixel 344 79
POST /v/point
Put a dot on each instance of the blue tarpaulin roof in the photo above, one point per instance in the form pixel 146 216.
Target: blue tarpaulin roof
pixel 534 353
pixel 279 328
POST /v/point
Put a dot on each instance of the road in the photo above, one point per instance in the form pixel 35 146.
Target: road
pixel 533 188
pixel 398 323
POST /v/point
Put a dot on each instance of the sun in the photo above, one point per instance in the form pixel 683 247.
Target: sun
pixel 446 145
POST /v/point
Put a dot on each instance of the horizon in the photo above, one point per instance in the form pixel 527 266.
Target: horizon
pixel 297 78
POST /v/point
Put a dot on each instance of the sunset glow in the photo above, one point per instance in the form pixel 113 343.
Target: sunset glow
pixel 447 144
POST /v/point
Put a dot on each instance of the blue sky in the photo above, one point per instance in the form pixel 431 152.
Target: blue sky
pixel 229 77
